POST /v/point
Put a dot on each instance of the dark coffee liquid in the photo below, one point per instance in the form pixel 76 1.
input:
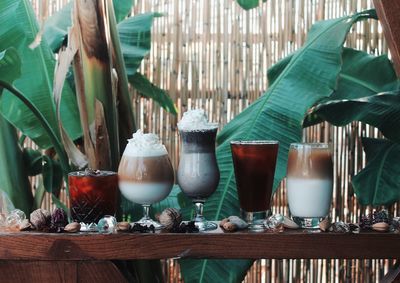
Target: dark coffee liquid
pixel 92 196
pixel 254 170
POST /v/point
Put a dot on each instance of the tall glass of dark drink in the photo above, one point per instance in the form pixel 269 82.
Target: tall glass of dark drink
pixel 92 194
pixel 254 163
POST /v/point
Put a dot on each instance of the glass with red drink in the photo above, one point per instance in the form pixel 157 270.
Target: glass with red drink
pixel 92 195
pixel 254 163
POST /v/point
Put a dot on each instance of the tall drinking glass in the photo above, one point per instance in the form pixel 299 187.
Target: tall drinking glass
pixel 309 183
pixel 198 173
pixel 254 163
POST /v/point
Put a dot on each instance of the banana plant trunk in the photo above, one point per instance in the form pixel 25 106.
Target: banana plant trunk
pixel 101 81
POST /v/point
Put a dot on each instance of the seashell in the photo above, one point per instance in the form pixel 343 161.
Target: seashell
pixel 223 221
pixel 289 223
pixel 123 226
pixel 340 227
pixel 239 222
pixel 72 227
pixel 170 218
pixel 230 227
pixel 40 219
pixel 59 218
pixel 325 224
pixel 380 226
pixel 25 225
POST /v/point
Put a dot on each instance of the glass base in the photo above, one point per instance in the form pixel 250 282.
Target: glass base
pixel 255 220
pixel 205 225
pixel 308 222
pixel 88 227
pixel 148 222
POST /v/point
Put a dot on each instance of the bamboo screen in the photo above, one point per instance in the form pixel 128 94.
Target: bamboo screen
pixel 214 55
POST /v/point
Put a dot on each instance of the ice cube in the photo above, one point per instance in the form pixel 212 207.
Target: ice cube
pixel 15 218
pixel 107 224
pixel 274 221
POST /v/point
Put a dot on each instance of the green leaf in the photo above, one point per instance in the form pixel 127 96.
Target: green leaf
pixel 362 75
pixel 149 90
pixel 381 111
pixel 13 176
pixel 10 65
pixel 18 28
pixel 33 161
pixel 274 72
pixel 175 199
pixel 52 175
pixel 379 182
pixel 135 38
pixel 310 76
pixel 56 27
pixel 122 9
pixel 249 4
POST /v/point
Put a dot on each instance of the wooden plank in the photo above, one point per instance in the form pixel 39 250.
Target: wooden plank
pixel 38 271
pixel 290 244
pixel 389 16
pixel 99 272
pixel 59 271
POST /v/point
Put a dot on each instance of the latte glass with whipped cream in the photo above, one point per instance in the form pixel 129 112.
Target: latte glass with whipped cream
pixel 145 173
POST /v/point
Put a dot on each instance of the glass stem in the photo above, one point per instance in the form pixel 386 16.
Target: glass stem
pixel 199 205
pixel 146 211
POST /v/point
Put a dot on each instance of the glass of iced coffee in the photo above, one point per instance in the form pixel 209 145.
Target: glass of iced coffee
pixel 198 173
pixel 254 163
pixel 309 182
pixel 92 195
pixel 145 173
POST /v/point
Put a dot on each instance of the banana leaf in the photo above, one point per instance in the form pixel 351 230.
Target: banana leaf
pixel 18 28
pixel 379 182
pixel 143 85
pixel 249 4
pixel 13 174
pixel 381 111
pixel 310 76
pixel 362 75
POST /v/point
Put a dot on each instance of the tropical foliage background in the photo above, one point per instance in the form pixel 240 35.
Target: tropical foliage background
pixel 215 56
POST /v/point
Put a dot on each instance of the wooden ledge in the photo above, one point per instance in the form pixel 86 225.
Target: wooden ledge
pixel 289 244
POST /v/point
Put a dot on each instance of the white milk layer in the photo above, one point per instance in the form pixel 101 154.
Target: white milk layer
pixel 198 174
pixel 144 145
pixel 195 120
pixel 144 193
pixel 309 197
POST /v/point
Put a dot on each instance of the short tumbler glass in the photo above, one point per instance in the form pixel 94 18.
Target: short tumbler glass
pixel 92 195
pixel 309 183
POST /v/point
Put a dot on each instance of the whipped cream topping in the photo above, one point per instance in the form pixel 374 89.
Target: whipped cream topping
pixel 195 120
pixel 144 145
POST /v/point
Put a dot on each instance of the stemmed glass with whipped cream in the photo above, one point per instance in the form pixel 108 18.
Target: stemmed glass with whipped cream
pixel 145 173
pixel 198 173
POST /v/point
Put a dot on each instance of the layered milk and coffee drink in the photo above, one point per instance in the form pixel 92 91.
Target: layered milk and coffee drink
pixel 145 172
pixel 198 173
pixel 309 182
